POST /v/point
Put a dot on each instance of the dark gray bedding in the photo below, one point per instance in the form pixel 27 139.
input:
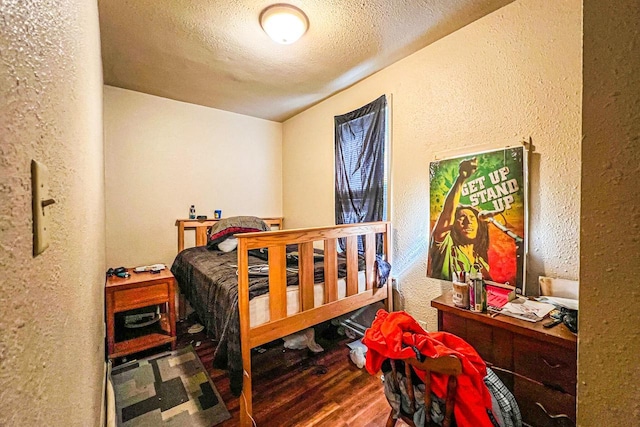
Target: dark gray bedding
pixel 208 280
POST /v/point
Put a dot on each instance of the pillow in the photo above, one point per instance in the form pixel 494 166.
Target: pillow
pixel 227 227
pixel 228 245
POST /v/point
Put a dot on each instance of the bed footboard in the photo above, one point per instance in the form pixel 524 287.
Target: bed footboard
pixel 281 324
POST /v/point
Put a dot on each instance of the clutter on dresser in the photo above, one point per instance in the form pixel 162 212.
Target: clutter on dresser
pixel 469 291
pixel 557 287
pixel 477 293
pixel 461 294
pixel 499 294
pixel 525 309
pixel 472 292
pixel 563 294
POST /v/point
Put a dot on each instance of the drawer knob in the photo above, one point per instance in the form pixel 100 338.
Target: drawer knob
pixel 553 416
pixel 551 365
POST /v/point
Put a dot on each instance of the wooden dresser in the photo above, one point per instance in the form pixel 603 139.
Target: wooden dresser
pixel 538 365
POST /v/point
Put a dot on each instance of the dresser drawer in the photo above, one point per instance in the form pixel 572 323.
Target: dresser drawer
pixel 543 407
pixel 494 345
pixel 480 336
pixel 549 364
pixel 455 325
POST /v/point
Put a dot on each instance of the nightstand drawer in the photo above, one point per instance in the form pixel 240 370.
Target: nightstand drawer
pixel 127 299
pixel 546 363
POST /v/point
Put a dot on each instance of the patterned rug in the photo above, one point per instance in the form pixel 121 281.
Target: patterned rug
pixel 171 389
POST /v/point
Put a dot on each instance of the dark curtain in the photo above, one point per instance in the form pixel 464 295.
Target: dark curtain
pixel 360 164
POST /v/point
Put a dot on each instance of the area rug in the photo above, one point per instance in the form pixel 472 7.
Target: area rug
pixel 170 389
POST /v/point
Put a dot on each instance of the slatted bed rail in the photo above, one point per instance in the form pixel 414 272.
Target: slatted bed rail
pixel 281 324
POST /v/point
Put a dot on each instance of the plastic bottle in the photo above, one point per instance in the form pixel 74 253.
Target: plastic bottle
pixel 472 291
pixel 484 294
pixel 480 293
pixel 192 212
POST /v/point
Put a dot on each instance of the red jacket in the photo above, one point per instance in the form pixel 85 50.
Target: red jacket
pixel 392 335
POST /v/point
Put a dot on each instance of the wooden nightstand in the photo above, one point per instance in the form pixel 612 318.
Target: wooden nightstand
pixel 137 291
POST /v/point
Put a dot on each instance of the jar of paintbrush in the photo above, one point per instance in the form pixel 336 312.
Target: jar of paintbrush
pixel 460 290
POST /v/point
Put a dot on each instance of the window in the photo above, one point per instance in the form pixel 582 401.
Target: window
pixel 361 164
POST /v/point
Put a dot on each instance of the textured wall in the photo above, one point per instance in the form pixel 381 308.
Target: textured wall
pixel 51 322
pixel 162 156
pixel 608 356
pixel 513 74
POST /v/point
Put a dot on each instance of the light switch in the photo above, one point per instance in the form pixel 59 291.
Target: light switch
pixel 41 199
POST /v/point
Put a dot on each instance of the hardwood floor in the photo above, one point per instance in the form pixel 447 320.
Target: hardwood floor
pixel 300 388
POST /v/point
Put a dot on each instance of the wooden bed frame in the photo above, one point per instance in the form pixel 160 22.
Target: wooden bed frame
pixel 200 226
pixel 280 324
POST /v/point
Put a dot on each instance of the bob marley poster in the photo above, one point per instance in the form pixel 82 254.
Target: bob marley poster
pixel 477 218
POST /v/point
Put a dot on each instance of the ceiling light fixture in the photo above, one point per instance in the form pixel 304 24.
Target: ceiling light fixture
pixel 284 23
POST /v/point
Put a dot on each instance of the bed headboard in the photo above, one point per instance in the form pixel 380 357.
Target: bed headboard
pixel 201 227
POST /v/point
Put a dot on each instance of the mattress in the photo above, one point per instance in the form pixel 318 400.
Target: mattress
pixel 259 306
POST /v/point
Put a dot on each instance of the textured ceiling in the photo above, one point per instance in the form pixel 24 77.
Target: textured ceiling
pixel 214 52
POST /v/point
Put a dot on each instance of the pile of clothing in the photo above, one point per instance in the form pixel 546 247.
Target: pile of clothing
pixel 481 399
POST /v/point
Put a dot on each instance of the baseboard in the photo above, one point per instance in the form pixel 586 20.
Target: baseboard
pixel 103 406
pixel 108 413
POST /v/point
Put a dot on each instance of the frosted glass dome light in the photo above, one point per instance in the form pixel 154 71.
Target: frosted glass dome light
pixel 284 23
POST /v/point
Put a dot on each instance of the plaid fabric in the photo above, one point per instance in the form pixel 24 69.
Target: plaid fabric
pixel 507 403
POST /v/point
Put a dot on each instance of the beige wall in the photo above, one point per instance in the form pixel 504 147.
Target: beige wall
pixel 161 156
pixel 608 349
pixel 513 74
pixel 51 322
